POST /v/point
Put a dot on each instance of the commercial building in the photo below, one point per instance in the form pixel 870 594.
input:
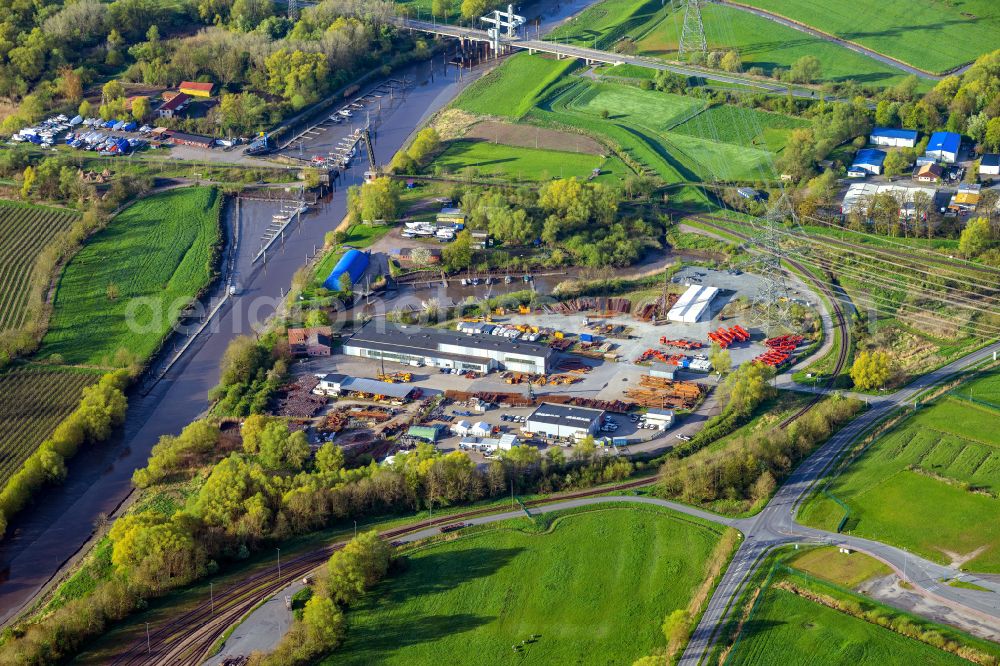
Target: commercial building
pixel 196 88
pixel 693 304
pixel 944 146
pixel 897 138
pixel 489 444
pixel 185 139
pixel 437 348
pixel 868 160
pixel 989 165
pixel 354 263
pixel 662 418
pixel 564 421
pixel 966 199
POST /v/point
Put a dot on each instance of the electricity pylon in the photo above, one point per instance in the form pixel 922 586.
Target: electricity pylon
pixel 693 32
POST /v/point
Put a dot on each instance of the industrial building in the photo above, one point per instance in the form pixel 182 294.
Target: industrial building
pixel 662 370
pixel 413 345
pixel 693 304
pixel 989 165
pixel 489 444
pixel 868 161
pixel 564 421
pixel 944 146
pixel 858 196
pixel 427 433
pixel 337 384
pixel 354 263
pixel 897 138
pixel 661 418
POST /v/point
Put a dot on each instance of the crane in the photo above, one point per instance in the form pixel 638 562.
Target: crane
pixel 372 172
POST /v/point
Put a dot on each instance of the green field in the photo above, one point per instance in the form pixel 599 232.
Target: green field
pixel 627 105
pixel 514 87
pixel 932 35
pixel 595 587
pixel 768 45
pixel 741 126
pixel 499 160
pixel 32 403
pixel 124 289
pixel 916 486
pixel 787 629
pixel 25 230
pixel 601 25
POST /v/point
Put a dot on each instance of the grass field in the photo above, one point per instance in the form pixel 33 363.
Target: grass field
pixel 768 45
pixel 595 587
pixel 830 564
pixel 514 87
pixel 739 126
pixel 924 473
pixel 25 230
pixel 935 36
pixel 499 160
pixel 158 250
pixel 32 403
pixel 790 630
pixel 601 25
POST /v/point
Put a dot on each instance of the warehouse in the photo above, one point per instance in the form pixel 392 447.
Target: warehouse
pixel 413 345
pixel 354 263
pixel 859 195
pixel 897 138
pixel 661 418
pixel 337 384
pixel 564 421
pixel 944 146
pixel 489 444
pixel 693 304
pixel 990 165
pixel 867 161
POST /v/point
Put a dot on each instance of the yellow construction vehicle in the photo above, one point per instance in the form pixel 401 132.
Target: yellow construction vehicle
pixel 523 309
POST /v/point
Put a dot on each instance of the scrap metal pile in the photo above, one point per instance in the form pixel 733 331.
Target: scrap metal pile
pixel 607 307
pixel 297 399
pixel 658 309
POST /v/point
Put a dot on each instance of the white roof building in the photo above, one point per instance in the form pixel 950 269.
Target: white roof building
pixel 692 304
pixel 481 429
pixel 461 427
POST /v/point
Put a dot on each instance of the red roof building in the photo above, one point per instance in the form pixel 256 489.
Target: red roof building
pixel 196 88
pixel 173 106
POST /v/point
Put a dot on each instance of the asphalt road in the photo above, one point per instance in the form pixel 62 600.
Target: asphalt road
pixel 776 524
pixel 47 535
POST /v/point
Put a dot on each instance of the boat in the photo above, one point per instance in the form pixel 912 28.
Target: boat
pixel 280 217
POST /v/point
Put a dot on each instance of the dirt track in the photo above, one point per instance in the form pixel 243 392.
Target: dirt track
pixel 534 137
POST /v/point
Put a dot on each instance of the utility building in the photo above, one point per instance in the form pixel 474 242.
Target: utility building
pixel 413 345
pixel 897 138
pixel 564 421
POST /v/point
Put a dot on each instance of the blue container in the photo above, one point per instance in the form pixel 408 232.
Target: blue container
pixel 586 337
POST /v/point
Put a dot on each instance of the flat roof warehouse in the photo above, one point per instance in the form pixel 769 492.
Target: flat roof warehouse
pixel 421 339
pixel 567 415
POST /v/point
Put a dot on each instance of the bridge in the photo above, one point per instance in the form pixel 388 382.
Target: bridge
pixel 592 56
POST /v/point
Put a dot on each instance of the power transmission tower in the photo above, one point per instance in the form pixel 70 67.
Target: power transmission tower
pixel 293 9
pixel 693 32
pixel 771 307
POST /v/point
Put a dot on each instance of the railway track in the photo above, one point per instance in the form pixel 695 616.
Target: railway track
pixel 838 315
pixel 187 640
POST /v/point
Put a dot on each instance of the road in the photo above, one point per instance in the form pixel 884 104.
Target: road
pixel 50 533
pixel 857 48
pixel 596 55
pixel 776 524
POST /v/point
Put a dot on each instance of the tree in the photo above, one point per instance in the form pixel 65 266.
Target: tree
pixel 28 181
pixel 886 113
pixel 330 458
pixel 317 318
pixel 426 143
pixel 241 113
pixel 473 9
pixel 675 628
pixel 976 237
pixel 245 15
pixel 731 61
pixel 324 623
pixel 70 84
pixel 719 358
pixel 84 109
pixel 442 8
pixel 112 90
pixel 377 201
pixel 458 255
pixel 299 77
pixel 870 370
pixel 806 69
pixel 991 137
pixel 140 108
pixel 895 163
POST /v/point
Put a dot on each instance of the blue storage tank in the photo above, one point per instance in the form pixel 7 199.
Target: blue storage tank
pixel 354 263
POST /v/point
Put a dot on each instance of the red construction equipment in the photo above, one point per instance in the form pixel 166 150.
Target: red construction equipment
pixel 725 337
pixel 773 358
pixel 681 344
pixel 784 343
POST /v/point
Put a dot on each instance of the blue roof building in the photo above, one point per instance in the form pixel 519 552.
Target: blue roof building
pixel 353 263
pixel 890 136
pixel 870 160
pixel 944 146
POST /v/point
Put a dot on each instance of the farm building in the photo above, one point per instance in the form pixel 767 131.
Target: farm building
pixel 354 263
pixel 413 345
pixel 897 138
pixel 428 433
pixel 174 106
pixel 868 160
pixel 337 384
pixel 316 341
pixel 662 418
pixel 966 199
pixel 489 444
pixel 196 88
pixel 185 139
pixel 990 165
pixel 564 421
pixel 944 146
pixel 929 173
pixel 693 304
